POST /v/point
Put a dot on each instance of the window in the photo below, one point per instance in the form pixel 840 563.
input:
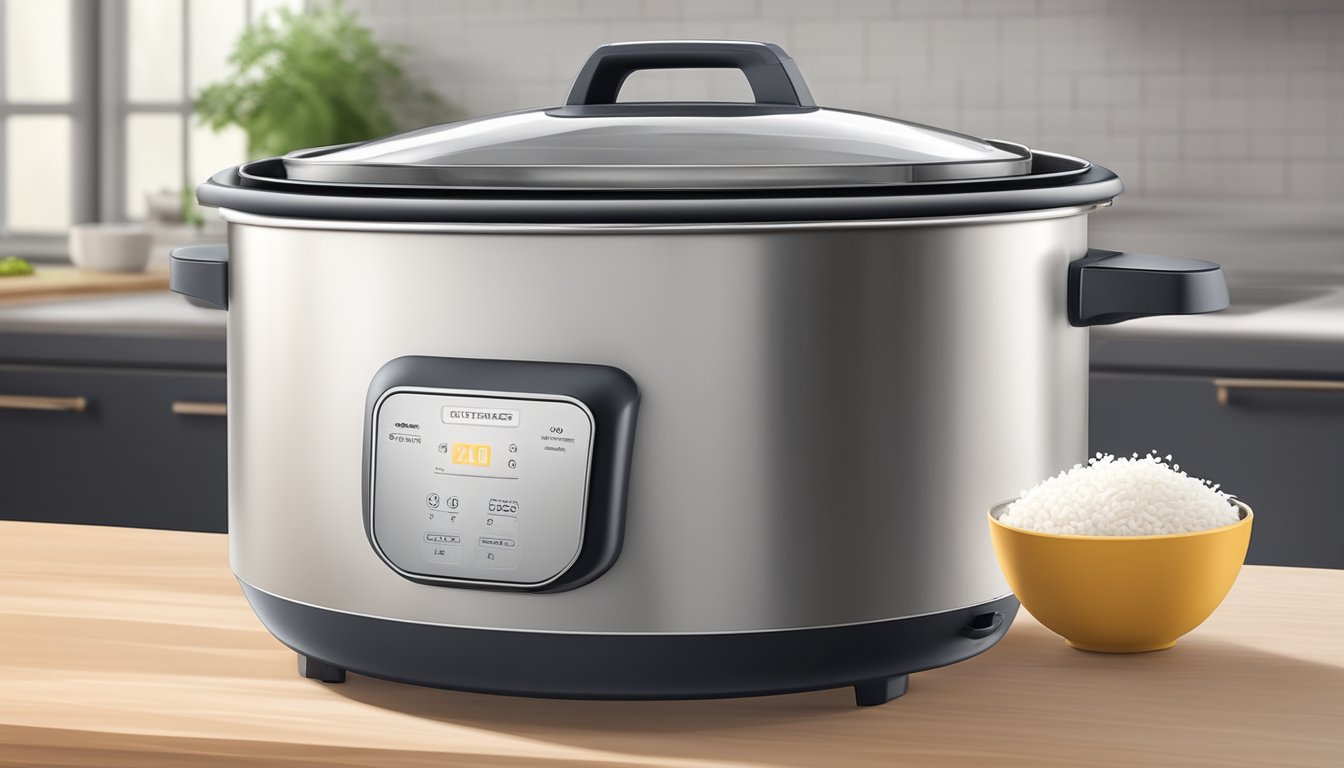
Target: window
pixel 95 109
pixel 47 115
pixel 172 49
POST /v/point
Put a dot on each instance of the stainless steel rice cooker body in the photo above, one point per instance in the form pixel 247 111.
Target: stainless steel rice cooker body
pixel 561 427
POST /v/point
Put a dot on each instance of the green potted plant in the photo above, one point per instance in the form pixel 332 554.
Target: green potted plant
pixel 314 78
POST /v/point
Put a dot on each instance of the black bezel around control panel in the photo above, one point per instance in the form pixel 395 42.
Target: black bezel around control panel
pixel 609 393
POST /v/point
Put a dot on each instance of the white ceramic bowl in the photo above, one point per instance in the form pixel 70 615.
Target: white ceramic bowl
pixel 110 247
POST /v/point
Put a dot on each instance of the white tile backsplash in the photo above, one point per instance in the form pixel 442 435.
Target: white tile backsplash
pixel 1200 98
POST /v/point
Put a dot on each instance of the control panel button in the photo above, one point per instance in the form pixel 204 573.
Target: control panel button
pixel 433 537
pixel 502 506
pixel 496 558
pixel 432 501
pixel 498 542
pixel 501 525
pixel 447 554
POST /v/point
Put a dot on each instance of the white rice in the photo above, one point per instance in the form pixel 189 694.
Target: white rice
pixel 1122 497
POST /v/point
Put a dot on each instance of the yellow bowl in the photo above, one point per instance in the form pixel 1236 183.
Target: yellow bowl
pixel 1121 594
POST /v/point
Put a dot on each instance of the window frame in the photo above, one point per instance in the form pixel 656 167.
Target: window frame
pixel 83 110
pixel 117 106
pixel 99 106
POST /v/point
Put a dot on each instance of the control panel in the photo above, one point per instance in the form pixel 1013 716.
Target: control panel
pixel 475 487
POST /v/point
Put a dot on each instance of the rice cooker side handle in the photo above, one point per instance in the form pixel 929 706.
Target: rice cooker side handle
pixel 1108 287
pixel 201 272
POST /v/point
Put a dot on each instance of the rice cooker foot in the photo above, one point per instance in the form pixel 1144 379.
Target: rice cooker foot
pixel 321 670
pixel 870 693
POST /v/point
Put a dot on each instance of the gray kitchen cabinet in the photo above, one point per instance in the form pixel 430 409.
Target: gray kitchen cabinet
pixel 128 446
pixel 1279 450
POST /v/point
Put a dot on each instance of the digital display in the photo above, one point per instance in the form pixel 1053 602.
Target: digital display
pixel 471 454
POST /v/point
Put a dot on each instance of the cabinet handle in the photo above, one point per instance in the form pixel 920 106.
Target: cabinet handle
pixel 1224 387
pixel 40 403
pixel 194 408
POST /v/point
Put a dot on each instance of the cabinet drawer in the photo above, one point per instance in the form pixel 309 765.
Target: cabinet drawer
pixel 1279 449
pixel 113 447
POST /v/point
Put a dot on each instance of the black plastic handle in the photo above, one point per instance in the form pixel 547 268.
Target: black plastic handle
pixel 1108 287
pixel 983 625
pixel 773 76
pixel 201 272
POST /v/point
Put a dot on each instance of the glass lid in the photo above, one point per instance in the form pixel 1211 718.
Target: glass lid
pixel 782 140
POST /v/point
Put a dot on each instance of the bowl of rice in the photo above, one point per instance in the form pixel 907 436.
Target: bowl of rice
pixel 1121 555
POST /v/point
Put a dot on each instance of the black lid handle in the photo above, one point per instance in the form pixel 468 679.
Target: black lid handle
pixel 773 76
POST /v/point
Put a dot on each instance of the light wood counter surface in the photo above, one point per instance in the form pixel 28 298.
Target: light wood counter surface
pixel 128 648
pixel 51 283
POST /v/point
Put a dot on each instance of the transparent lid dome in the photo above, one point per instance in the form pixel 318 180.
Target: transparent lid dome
pixel 782 140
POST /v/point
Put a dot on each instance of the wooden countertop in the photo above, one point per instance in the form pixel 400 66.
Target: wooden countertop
pixel 135 648
pixel 53 283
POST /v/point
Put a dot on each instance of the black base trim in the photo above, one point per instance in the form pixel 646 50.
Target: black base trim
pixel 873 657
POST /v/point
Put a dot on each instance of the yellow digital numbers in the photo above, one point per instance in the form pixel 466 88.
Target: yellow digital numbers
pixel 471 454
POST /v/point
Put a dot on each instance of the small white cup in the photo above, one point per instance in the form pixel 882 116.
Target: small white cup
pixel 110 247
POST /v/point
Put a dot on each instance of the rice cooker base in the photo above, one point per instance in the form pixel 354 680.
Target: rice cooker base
pixel 873 657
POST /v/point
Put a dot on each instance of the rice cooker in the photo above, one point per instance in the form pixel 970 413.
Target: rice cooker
pixel 654 400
